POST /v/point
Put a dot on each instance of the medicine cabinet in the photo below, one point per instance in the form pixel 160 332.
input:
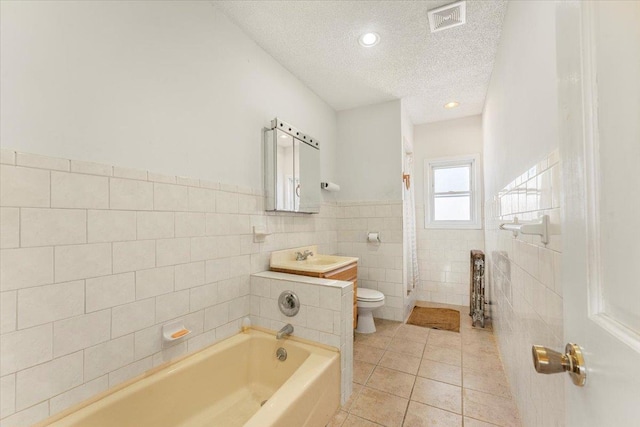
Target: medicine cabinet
pixel 291 169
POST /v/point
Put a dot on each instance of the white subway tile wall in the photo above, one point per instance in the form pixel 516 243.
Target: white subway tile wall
pixel 325 316
pixel 443 259
pixel 94 259
pixel 381 264
pixel 524 287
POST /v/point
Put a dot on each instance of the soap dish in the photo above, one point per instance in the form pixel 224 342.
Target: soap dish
pixel 174 331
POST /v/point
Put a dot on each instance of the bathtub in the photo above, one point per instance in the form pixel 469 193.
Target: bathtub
pixel 237 382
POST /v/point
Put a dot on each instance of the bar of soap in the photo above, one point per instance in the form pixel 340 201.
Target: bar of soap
pixel 179 333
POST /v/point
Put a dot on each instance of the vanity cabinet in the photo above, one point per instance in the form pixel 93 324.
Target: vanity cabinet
pixel 347 273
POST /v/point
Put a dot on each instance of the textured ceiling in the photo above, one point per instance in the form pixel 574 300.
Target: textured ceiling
pixel 318 42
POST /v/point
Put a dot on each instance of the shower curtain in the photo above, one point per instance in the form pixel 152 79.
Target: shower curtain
pixel 413 271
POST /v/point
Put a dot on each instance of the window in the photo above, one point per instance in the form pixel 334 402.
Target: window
pixel 452 196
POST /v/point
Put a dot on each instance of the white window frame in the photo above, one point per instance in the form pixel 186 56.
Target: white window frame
pixel 475 191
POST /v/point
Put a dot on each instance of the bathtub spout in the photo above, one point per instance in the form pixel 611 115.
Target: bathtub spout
pixel 286 330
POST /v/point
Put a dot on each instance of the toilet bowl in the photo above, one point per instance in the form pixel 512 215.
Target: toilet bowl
pixel 368 300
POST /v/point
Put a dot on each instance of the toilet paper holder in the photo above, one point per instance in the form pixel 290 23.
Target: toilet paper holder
pixel 373 237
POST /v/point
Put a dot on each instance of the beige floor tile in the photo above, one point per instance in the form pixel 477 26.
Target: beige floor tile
pixel 450 356
pixel 441 372
pixel 411 348
pixel 386 327
pixel 413 333
pixel 470 422
pixel 353 421
pixel 487 362
pixel 355 391
pixel 367 353
pixel 445 339
pixel 361 371
pixel 492 382
pixel 438 394
pixel 394 382
pixel 338 419
pixel 490 408
pixel 474 335
pixel 372 340
pixel 480 347
pixel 400 362
pixel 420 415
pixel 380 407
pixel 388 360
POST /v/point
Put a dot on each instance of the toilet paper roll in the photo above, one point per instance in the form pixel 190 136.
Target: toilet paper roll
pixel 373 237
pixel 330 186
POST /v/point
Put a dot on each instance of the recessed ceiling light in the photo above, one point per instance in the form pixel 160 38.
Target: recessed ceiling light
pixel 369 39
pixel 450 105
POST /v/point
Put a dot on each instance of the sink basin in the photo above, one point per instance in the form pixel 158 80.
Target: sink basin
pixel 323 260
pixel 316 263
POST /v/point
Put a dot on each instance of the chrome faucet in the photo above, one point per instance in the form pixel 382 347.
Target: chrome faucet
pixel 286 330
pixel 303 256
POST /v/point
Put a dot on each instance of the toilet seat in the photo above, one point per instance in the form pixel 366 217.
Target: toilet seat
pixel 369 295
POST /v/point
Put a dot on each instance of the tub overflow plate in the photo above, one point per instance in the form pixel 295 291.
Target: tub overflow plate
pixel 289 303
pixel 281 354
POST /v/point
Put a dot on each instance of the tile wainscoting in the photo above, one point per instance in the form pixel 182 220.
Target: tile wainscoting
pixel 325 316
pixel 524 285
pixel 443 259
pixel 95 258
pixel 380 265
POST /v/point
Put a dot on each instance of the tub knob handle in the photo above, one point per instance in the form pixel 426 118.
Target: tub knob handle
pixel 289 303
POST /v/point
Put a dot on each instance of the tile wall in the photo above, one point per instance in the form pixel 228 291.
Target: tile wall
pixel 95 258
pixel 524 286
pixel 325 316
pixel 443 258
pixel 381 265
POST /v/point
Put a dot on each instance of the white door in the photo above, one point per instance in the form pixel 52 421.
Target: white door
pixel 599 76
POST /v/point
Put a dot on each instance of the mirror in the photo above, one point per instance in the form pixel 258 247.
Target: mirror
pixel 292 170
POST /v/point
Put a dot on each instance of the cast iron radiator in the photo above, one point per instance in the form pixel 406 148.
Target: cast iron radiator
pixel 476 288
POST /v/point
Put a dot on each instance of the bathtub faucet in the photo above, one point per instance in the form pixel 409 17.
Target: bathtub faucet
pixel 286 330
pixel 303 256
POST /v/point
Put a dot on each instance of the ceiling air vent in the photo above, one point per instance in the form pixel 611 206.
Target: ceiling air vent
pixel 447 16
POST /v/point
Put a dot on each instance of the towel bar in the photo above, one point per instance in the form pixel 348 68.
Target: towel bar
pixel 540 228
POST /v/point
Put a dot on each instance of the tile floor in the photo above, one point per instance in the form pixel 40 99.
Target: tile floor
pixel 406 375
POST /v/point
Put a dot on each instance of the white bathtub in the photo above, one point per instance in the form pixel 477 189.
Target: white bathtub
pixel 224 385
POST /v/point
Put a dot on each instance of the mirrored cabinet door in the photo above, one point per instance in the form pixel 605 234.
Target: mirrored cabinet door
pixel 292 173
pixel 286 179
pixel 308 173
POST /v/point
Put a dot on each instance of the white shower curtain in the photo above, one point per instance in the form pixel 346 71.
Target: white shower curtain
pixel 413 271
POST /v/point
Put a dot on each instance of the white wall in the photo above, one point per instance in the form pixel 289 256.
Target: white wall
pixel 444 139
pixel 520 142
pixel 443 255
pixel 521 108
pixel 369 161
pixel 171 87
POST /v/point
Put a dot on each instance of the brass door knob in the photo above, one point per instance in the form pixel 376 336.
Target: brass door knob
pixel 547 361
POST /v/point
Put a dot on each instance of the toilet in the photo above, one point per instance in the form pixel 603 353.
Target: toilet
pixel 368 300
